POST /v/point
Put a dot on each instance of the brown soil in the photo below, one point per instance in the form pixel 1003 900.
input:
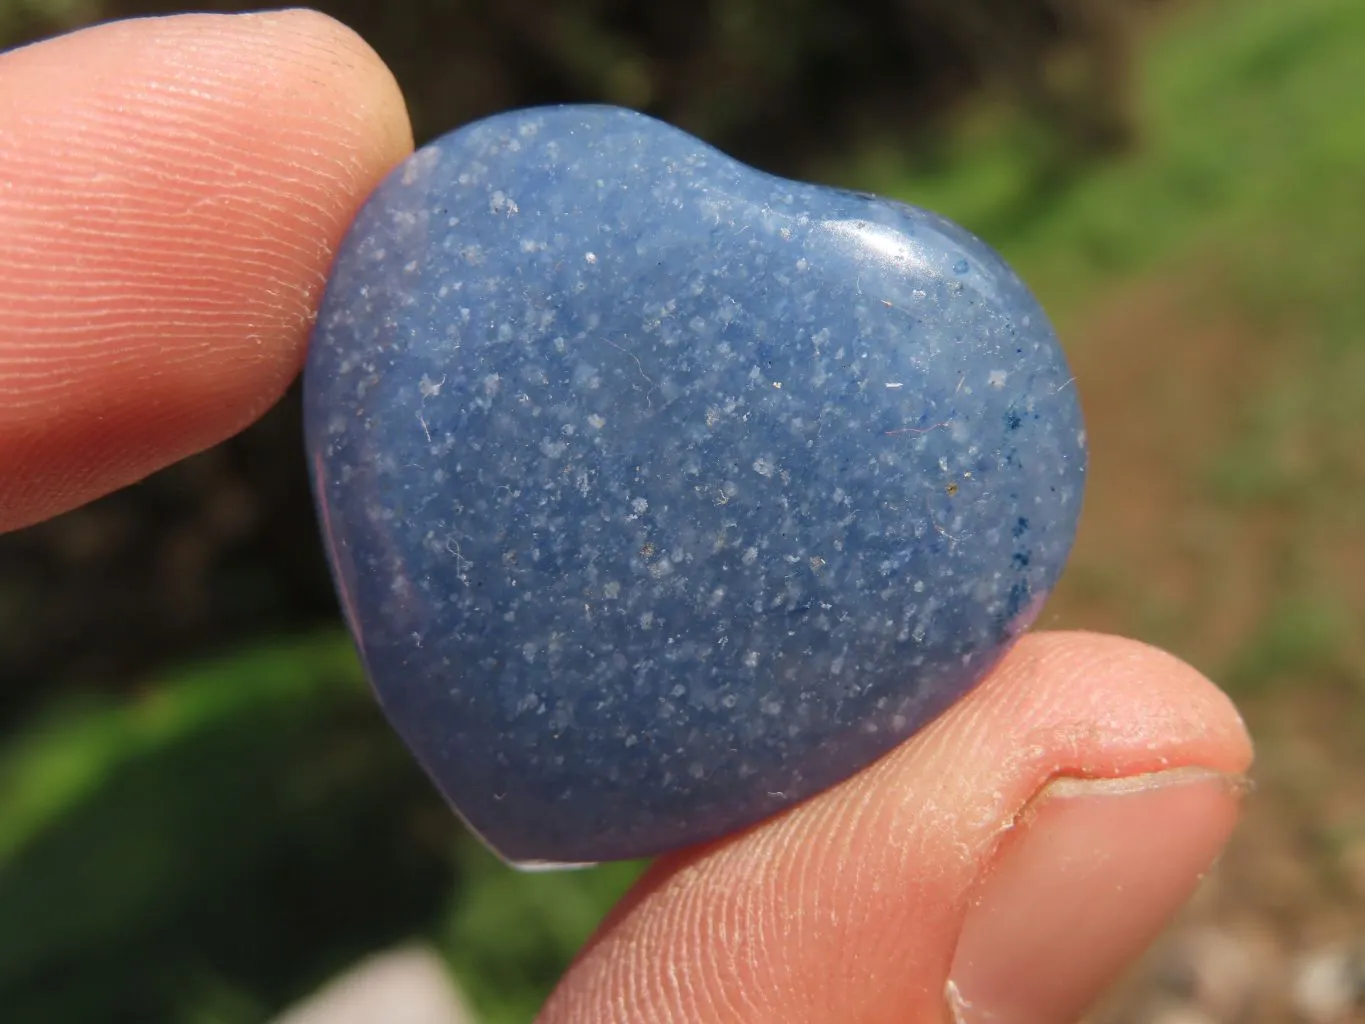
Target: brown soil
pixel 1167 385
pixel 1161 388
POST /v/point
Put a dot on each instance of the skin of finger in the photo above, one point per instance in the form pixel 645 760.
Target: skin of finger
pixel 848 907
pixel 173 192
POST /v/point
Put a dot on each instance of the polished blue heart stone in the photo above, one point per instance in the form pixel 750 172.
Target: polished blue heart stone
pixel 662 493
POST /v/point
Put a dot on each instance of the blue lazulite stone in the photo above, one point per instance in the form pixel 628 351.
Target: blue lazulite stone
pixel 662 493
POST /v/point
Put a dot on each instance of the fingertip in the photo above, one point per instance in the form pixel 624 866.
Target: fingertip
pixel 176 188
pixel 365 91
pixel 1149 708
pixel 850 905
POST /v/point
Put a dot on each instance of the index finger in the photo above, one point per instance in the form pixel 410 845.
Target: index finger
pixel 172 192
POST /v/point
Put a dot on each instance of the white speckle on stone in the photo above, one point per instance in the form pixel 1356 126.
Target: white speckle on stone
pixel 429 388
pixel 639 506
pixel 421 162
pixel 590 257
pixel 611 591
pixel 492 384
pixel 763 466
pixel 997 378
pixel 500 202
pixel 750 659
pixel 647 620
pixel 596 422
pixel 894 384
pixel 750 556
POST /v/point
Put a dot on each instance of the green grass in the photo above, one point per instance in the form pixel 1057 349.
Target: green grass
pixel 168 848
pixel 59 763
pixel 1251 118
pixel 1301 639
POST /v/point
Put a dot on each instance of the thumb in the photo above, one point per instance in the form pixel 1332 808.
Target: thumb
pixel 1004 865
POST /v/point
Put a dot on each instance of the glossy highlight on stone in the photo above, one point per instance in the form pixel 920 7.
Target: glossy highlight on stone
pixel 662 493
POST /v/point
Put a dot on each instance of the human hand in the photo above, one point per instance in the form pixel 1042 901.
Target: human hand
pixel 171 196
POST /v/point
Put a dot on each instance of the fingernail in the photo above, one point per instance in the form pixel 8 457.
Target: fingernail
pixel 1088 877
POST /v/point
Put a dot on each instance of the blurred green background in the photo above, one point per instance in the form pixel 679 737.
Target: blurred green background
pixel 203 816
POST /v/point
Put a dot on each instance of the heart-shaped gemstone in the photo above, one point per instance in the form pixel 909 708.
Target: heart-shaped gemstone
pixel 662 493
